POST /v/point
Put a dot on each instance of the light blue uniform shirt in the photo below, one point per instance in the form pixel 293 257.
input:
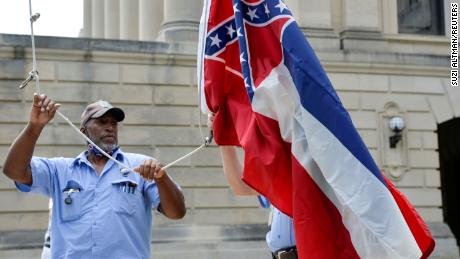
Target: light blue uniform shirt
pixel 281 234
pixel 105 219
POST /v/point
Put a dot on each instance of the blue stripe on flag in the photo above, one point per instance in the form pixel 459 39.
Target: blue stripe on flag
pixel 319 97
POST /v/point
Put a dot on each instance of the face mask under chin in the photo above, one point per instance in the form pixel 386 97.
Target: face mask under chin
pixel 108 148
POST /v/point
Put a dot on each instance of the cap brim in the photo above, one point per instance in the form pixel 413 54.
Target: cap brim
pixel 117 113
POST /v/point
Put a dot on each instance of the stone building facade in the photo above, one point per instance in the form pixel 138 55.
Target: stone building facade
pixel 141 55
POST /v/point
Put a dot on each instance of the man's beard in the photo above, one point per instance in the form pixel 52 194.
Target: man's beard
pixel 107 147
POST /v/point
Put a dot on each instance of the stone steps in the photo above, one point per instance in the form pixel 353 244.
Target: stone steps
pixel 216 250
pixel 211 250
pixel 202 242
pixel 168 242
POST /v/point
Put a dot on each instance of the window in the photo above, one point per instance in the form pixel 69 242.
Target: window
pixel 421 17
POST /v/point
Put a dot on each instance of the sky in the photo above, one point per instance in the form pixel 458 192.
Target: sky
pixel 57 17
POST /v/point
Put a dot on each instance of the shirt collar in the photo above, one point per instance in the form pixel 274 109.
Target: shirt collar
pixel 83 157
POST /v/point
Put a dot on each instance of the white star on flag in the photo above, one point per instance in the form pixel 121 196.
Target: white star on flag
pixel 252 13
pixel 266 10
pixel 242 58
pixel 246 83
pixel 235 8
pixel 230 30
pixel 215 40
pixel 238 32
pixel 281 6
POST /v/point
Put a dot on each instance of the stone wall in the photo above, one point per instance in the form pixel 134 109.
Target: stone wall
pixel 155 83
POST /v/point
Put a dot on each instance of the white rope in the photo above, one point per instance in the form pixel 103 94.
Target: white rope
pixel 116 161
pixel 33 75
pixel 184 157
pixel 123 166
pixel 200 59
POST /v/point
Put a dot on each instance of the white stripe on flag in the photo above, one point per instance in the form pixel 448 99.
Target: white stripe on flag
pixel 369 212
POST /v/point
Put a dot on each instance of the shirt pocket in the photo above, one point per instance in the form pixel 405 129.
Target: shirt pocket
pixel 72 200
pixel 126 196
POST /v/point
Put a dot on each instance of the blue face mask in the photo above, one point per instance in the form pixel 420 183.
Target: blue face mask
pixel 96 151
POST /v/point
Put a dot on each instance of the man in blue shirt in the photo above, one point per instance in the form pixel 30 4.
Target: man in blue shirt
pixel 98 212
pixel 280 239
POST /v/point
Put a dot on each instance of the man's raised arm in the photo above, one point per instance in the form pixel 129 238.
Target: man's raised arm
pixel 17 161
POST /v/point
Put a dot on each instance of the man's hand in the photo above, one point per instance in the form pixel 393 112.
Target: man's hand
pixel 18 157
pixel 150 170
pixel 42 111
pixel 172 203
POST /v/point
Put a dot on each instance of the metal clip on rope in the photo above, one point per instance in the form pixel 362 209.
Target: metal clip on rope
pixel 208 139
pixel 33 75
pixel 34 17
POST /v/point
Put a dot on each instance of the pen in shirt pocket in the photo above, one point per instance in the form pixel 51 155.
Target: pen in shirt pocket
pixel 132 187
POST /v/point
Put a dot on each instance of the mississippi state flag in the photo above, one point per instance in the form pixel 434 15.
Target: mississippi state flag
pixel 271 96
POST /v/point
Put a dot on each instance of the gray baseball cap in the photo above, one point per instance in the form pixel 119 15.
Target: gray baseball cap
pixel 98 109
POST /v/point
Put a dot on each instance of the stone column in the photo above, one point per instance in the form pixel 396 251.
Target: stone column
pixel 315 20
pixel 112 19
pixel 312 13
pixel 86 31
pixel 150 18
pixel 390 16
pixel 362 15
pixel 129 23
pixel 97 18
pixel 181 20
pixel 362 25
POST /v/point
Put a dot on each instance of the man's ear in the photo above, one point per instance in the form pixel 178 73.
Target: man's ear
pixel 83 130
